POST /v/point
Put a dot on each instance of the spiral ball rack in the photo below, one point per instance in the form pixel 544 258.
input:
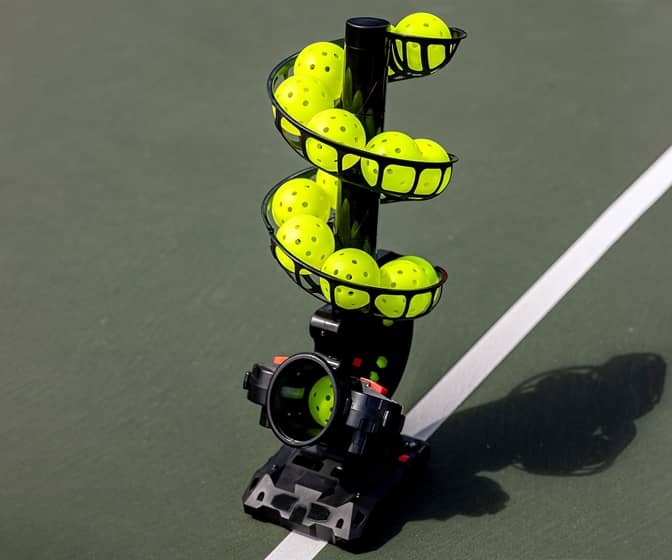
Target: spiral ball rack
pixel 329 479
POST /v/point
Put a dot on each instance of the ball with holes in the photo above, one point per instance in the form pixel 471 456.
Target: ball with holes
pixel 352 265
pixel 301 97
pixel 329 185
pixel 306 238
pixel 432 276
pixel 422 24
pixel 340 126
pixel 321 400
pixel 427 267
pixel 401 274
pixel 396 178
pixel 297 197
pixel 430 178
pixel 323 61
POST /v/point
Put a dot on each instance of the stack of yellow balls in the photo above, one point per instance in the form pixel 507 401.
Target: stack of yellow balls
pixel 301 208
pixel 359 268
pixel 315 85
pixel 309 97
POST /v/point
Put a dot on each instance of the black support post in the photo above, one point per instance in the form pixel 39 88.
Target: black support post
pixel 364 87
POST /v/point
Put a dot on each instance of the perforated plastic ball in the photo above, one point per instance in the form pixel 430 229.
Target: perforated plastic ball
pixel 307 238
pixel 397 178
pixel 432 276
pixel 422 24
pixel 430 178
pixel 321 400
pixel 425 265
pixel 301 97
pixel 297 197
pixel 401 274
pixel 323 61
pixel 329 185
pixel 342 127
pixel 353 265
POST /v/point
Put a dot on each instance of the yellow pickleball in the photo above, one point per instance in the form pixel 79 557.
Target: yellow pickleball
pixel 329 185
pixel 433 152
pixel 342 127
pixel 301 97
pixel 425 265
pixel 432 276
pixel 297 197
pixel 353 265
pixel 306 238
pixel 321 400
pixel 422 24
pixel 397 178
pixel 325 62
pixel 401 274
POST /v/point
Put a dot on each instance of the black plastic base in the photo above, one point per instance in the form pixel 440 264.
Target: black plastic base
pixel 326 496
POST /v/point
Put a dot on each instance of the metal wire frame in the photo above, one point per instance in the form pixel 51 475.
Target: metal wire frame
pixel 439 171
pixel 313 280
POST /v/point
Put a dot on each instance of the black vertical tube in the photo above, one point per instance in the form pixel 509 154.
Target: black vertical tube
pixel 364 86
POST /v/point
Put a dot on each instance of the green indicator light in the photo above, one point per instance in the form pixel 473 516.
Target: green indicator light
pixel 388 322
pixel 381 362
pixel 373 376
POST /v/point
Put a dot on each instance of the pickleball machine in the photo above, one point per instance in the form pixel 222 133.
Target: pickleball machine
pixel 343 451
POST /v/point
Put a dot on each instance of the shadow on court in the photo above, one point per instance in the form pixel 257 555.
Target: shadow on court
pixel 566 422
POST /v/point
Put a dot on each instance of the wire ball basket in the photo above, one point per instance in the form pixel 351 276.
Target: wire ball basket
pixel 415 57
pixel 426 179
pixel 407 304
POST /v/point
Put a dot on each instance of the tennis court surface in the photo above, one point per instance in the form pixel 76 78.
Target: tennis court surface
pixel 136 285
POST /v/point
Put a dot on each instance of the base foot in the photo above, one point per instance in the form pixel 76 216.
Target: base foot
pixel 329 496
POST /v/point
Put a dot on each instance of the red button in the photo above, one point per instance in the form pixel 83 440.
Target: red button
pixel 377 387
pixel 403 458
pixel 357 362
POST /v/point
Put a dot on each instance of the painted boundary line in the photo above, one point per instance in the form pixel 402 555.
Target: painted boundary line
pixel 474 367
pixel 468 373
pixel 296 546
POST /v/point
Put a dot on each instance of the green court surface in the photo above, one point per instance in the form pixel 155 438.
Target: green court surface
pixel 136 285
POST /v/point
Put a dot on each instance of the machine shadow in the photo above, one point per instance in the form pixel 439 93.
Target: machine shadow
pixel 566 422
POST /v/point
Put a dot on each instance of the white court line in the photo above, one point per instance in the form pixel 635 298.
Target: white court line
pixel 467 374
pixel 296 546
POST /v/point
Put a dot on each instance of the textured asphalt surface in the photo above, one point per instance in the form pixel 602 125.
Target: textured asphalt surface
pixel 136 144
